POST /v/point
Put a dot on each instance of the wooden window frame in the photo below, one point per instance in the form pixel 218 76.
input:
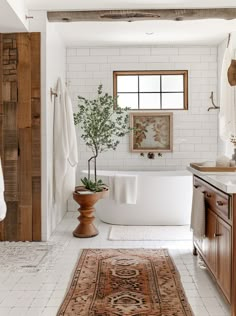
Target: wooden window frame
pixel 155 72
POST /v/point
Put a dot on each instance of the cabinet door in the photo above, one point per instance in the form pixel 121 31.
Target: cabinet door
pixel 209 242
pixel 224 257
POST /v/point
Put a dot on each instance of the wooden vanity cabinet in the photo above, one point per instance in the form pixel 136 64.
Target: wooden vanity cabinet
pixel 209 243
pixel 215 247
pixel 223 258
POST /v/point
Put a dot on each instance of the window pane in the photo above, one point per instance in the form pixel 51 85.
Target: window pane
pixel 172 101
pixel 173 83
pixel 127 83
pixel 149 83
pixel 128 100
pixel 149 100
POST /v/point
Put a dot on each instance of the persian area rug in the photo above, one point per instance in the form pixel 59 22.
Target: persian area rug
pixel 119 232
pixel 125 282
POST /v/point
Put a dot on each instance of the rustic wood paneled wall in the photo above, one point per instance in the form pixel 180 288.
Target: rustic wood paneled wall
pixel 20 148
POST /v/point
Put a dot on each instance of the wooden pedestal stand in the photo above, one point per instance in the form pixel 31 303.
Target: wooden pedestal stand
pixel 86 228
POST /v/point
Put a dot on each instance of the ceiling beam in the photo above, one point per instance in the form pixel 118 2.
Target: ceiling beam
pixel 139 15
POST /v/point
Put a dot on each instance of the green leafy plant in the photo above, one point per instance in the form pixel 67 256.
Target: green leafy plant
pixel 93 186
pixel 102 126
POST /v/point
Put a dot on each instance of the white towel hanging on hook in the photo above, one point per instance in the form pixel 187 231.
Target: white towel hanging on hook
pixel 65 156
pixel 72 161
pixel 60 142
pixel 226 119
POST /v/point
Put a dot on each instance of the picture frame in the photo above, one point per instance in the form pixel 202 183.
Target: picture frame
pixel 151 131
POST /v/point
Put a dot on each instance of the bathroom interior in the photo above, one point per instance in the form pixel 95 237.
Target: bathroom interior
pixel 38 249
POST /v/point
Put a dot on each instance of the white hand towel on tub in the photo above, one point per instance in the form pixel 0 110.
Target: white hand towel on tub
pixel 125 189
pixel 3 208
pixel 198 216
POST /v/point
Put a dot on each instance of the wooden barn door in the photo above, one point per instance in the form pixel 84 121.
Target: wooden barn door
pixel 20 148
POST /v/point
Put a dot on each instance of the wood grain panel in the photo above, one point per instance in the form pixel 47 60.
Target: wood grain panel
pixel 10 131
pixel 24 80
pixel 6 91
pixel 1 96
pixel 24 225
pixel 20 141
pixel 209 242
pixel 1 123
pixel 11 231
pixel 25 167
pixel 36 195
pixel 36 134
pixel 36 152
pixel 180 14
pixel 35 65
pixel 233 248
pixel 11 180
pixel 9 227
pixel 224 257
pixel 25 184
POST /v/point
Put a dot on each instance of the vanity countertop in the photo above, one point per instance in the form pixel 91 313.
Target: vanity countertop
pixel 225 181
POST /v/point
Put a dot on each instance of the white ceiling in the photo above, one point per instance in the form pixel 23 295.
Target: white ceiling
pixel 9 20
pixel 125 4
pixel 123 33
pixel 162 33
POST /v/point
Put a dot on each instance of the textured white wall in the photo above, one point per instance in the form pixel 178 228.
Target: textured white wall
pixel 55 68
pixel 21 11
pixel 53 56
pixel 195 130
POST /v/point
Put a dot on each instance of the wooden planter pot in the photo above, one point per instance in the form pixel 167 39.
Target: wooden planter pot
pixel 86 228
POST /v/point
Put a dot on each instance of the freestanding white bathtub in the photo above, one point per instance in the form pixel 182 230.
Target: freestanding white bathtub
pixel 163 198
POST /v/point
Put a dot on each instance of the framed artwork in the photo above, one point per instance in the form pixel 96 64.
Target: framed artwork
pixel 152 131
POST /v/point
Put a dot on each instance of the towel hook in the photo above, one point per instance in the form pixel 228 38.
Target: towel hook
pixel 52 93
pixel 214 107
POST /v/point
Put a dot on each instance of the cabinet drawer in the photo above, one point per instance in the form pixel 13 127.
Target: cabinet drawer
pixel 222 204
pixel 217 200
pixel 209 194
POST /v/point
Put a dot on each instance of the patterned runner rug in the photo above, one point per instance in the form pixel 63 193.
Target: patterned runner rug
pixel 125 282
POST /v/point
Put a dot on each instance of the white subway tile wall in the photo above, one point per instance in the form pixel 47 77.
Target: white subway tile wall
pixel 195 130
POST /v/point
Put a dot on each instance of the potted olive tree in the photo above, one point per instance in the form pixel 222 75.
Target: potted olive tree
pixel 101 126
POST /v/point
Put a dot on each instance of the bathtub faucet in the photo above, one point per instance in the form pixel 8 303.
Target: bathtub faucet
pixel 151 155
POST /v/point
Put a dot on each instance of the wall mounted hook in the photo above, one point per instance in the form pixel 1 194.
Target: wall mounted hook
pixel 27 17
pixel 52 93
pixel 214 107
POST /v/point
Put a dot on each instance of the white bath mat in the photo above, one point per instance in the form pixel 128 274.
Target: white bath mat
pixel 119 232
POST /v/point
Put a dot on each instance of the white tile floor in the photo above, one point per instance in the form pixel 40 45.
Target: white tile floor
pixel 34 276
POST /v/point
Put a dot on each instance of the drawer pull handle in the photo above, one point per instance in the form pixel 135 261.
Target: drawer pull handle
pixel 217 235
pixel 220 203
pixel 208 195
